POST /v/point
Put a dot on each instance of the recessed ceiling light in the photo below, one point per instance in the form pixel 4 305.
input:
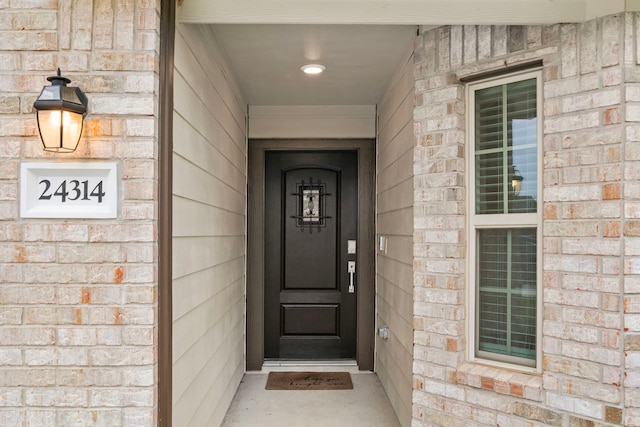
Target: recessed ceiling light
pixel 313 68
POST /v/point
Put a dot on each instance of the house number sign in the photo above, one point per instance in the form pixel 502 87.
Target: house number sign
pixel 69 190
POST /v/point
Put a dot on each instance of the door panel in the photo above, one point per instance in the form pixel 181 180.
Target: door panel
pixel 306 319
pixel 310 213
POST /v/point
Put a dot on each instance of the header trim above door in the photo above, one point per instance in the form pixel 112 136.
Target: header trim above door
pixel 312 121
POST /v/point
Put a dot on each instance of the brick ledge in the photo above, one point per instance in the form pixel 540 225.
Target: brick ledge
pixel 501 380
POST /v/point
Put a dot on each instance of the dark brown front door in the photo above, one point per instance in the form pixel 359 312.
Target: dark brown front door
pixel 311 212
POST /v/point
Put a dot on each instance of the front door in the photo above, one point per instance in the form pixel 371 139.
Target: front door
pixel 311 214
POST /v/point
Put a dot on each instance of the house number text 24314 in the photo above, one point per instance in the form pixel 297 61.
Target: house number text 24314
pixel 70 190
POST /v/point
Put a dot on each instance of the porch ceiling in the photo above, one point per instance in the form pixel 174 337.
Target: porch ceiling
pixel 359 59
pixel 359 41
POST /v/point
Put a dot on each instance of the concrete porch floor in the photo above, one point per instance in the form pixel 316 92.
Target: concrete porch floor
pixel 365 405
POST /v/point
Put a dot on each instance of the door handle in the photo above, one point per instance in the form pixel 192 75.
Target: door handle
pixel 351 269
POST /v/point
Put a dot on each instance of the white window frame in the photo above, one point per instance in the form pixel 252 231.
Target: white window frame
pixel 501 221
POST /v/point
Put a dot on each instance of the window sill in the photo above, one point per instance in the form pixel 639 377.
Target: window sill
pixel 500 380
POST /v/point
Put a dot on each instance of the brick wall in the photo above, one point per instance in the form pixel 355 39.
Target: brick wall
pixel 78 297
pixel 591 324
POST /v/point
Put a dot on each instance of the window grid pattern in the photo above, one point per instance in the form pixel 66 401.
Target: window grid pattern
pixel 507 292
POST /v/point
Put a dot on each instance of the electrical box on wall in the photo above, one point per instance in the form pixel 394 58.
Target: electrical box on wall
pixel 351 247
pixel 382 244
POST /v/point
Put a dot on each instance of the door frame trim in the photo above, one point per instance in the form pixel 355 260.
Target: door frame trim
pixel 165 211
pixel 365 257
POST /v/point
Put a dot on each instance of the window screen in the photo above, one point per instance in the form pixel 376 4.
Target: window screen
pixel 507 292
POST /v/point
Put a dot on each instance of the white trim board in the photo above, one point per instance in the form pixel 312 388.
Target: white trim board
pixel 413 12
pixel 326 121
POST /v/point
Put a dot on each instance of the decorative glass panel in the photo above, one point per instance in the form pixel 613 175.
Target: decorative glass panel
pixel 310 205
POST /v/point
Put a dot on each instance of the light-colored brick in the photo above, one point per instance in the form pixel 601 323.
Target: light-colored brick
pixel 611 38
pixel 121 356
pixel 587 189
pixel 46 266
pixel 56 397
pixel 138 416
pixel 87 377
pixel 10 397
pixel 102 416
pixel 55 233
pixel 121 233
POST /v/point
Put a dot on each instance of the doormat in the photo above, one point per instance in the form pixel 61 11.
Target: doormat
pixel 309 381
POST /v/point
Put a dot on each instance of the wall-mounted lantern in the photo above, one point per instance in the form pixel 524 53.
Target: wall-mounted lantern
pixel 60 112
pixel 516 182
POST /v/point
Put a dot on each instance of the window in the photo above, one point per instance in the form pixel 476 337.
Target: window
pixel 504 228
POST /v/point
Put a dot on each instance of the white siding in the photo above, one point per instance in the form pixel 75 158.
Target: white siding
pixel 395 223
pixel 209 209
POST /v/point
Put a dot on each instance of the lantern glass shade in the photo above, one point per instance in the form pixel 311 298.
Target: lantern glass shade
pixel 516 184
pixel 60 112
